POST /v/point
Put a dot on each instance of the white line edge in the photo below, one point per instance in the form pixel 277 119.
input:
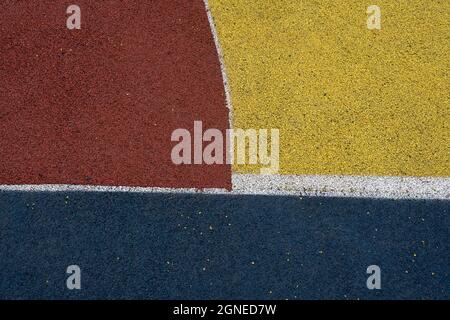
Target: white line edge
pixel 223 70
pixel 344 186
pixel 289 185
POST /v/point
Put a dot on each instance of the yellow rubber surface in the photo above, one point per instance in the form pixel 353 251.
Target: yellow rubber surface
pixel 347 100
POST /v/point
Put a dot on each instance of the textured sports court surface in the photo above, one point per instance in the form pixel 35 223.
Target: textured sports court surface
pixel 87 179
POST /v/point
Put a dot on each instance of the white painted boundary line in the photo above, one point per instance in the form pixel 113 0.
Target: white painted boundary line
pixel 88 188
pixel 226 86
pixel 343 186
pixel 289 185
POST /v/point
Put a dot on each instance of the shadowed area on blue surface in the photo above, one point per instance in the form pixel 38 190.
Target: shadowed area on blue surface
pixel 198 246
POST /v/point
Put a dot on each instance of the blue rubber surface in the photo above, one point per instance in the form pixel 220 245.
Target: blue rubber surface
pixel 179 246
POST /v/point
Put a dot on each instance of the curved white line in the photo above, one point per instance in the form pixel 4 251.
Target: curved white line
pixel 324 185
pixel 212 25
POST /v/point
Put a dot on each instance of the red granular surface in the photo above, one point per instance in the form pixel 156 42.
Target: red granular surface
pixel 97 106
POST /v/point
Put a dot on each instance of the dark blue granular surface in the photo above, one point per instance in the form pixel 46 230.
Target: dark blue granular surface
pixel 197 246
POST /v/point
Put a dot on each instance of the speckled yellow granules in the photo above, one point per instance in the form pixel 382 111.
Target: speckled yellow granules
pixel 347 100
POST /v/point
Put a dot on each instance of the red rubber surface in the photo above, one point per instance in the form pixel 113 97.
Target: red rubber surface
pixel 97 106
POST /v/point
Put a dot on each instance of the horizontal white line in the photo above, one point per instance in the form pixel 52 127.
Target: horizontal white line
pixel 344 186
pixel 89 188
pixel 289 185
